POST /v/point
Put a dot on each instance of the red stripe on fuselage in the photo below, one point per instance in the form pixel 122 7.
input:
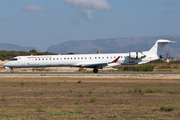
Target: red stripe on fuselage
pixel 116 60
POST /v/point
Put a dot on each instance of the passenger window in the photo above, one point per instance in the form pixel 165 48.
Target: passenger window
pixel 85 57
pixel 35 59
pixel 74 58
pixel 71 58
pixel 95 57
pixel 64 58
pixel 99 57
pixel 102 57
pixel 107 57
pixel 81 57
pixel 57 58
pixel 49 58
pixel 78 57
pixel 39 59
pixel 46 59
pixel 114 56
pixel 90 58
pixel 43 59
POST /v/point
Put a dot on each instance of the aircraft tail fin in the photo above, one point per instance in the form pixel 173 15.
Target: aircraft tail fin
pixel 158 47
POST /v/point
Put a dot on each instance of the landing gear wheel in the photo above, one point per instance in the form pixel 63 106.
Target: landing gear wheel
pixel 95 70
pixel 12 70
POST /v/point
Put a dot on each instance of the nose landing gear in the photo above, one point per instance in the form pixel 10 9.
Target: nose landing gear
pixel 12 70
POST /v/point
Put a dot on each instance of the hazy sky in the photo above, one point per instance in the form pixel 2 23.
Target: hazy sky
pixel 41 23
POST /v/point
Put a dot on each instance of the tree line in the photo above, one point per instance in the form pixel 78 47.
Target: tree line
pixel 7 55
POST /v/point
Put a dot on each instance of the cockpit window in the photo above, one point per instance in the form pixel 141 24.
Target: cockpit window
pixel 14 59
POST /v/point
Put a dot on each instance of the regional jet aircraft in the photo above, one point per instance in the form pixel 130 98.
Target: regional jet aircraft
pixel 95 61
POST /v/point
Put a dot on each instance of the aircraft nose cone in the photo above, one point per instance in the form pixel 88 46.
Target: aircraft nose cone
pixel 4 64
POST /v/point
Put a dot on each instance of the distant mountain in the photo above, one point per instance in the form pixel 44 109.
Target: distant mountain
pixel 118 45
pixel 13 47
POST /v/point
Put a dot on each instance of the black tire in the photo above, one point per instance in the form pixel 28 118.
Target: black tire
pixel 95 70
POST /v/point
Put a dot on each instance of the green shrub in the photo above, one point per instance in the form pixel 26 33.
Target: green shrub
pixel 44 83
pixel 3 98
pixel 13 119
pixel 115 92
pixel 108 90
pixel 92 117
pixel 76 103
pixel 176 61
pixel 92 98
pixel 65 114
pixel 138 89
pixel 165 67
pixel 166 108
pixel 160 90
pixel 79 82
pixel 154 90
pixel 3 114
pixel 59 83
pixel 170 115
pixel 149 90
pixel 148 116
pixel 70 90
pixel 139 68
pixel 22 83
pixel 169 108
pixel 80 93
pixel 172 91
pixel 126 90
pixel 113 116
pixel 39 107
pixel 45 118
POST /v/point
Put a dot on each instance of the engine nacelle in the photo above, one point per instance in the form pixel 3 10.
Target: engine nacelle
pixel 136 55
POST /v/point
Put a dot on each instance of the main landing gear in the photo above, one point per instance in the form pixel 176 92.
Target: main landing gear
pixel 12 70
pixel 95 70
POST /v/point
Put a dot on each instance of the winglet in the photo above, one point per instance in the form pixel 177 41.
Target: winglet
pixel 116 60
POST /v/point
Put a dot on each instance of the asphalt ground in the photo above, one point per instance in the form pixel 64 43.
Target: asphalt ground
pixel 86 73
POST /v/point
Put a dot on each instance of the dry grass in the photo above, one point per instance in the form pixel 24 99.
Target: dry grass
pixel 96 97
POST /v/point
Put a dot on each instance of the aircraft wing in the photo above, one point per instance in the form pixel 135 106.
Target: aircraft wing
pixel 99 65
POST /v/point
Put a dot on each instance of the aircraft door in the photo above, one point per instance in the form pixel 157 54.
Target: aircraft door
pixel 23 61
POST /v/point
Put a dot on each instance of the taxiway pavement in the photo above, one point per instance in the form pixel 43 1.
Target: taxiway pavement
pixel 84 73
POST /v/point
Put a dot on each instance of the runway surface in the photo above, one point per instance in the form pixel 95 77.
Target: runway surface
pixel 85 73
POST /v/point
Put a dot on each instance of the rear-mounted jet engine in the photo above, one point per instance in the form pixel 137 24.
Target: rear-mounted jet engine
pixel 136 55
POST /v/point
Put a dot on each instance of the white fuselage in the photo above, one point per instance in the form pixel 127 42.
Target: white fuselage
pixel 79 60
pixel 96 61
